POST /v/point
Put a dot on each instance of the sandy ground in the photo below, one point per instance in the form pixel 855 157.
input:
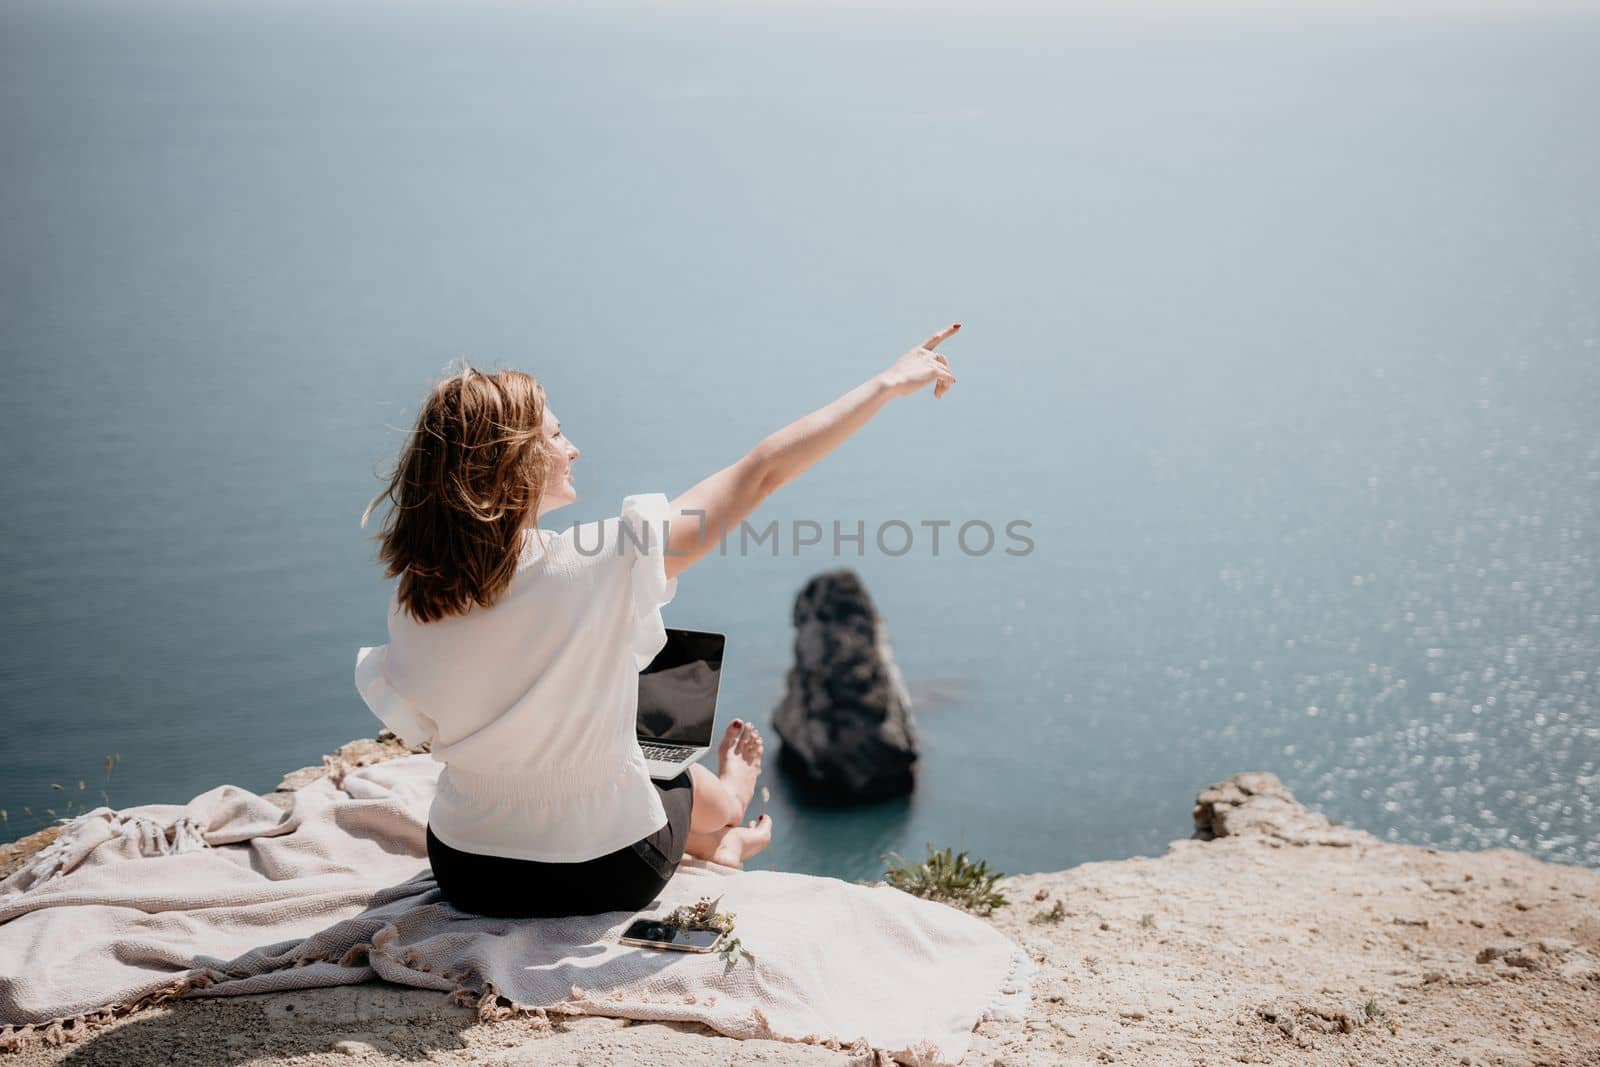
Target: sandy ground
pixel 1286 940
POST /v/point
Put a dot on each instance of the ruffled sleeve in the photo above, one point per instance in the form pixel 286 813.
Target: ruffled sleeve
pixel 645 517
pixel 393 710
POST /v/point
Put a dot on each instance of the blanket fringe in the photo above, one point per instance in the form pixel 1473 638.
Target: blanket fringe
pixel 414 957
pixel 493 1006
pixel 918 1054
pixel 356 955
pixel 72 1028
pixel 150 838
pixel 487 1003
pixel 1010 1001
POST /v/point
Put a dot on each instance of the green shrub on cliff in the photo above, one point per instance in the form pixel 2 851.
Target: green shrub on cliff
pixel 949 879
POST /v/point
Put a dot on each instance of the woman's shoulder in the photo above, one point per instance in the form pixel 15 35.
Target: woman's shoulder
pixel 637 528
pixel 536 544
pixel 574 552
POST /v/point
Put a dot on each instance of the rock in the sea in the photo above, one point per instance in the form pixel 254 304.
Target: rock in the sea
pixel 845 718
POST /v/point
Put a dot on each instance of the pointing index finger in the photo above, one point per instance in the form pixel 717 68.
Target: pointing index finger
pixel 942 335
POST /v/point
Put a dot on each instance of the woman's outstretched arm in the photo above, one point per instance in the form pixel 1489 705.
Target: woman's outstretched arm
pixel 725 499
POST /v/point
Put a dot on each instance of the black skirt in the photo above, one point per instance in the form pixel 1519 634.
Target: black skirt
pixel 628 879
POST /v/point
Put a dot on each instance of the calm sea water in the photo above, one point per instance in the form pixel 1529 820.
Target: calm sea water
pixel 1284 337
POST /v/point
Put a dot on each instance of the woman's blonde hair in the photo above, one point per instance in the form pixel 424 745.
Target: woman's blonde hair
pixel 468 480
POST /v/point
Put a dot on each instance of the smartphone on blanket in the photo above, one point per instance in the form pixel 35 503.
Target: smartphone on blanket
pixel 653 933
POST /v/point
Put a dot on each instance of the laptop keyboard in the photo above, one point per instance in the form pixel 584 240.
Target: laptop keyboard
pixel 665 753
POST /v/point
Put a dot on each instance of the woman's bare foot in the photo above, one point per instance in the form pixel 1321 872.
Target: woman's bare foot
pixel 739 843
pixel 739 762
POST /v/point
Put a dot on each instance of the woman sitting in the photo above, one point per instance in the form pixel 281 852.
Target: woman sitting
pixel 515 652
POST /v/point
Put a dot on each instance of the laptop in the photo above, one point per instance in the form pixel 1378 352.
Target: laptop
pixel 678 701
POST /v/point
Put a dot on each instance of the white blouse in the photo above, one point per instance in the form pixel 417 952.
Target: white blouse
pixel 531 704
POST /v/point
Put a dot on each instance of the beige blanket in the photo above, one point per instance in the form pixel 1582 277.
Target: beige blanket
pixel 230 894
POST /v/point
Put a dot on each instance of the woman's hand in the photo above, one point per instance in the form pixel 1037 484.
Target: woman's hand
pixel 920 366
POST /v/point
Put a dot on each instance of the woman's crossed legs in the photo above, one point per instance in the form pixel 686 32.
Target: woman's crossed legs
pixel 717 831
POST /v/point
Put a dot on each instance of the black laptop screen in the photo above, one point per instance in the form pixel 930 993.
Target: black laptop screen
pixel 678 691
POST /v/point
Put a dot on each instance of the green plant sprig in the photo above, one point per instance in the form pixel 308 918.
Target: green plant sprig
pixel 703 915
pixel 74 804
pixel 948 878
